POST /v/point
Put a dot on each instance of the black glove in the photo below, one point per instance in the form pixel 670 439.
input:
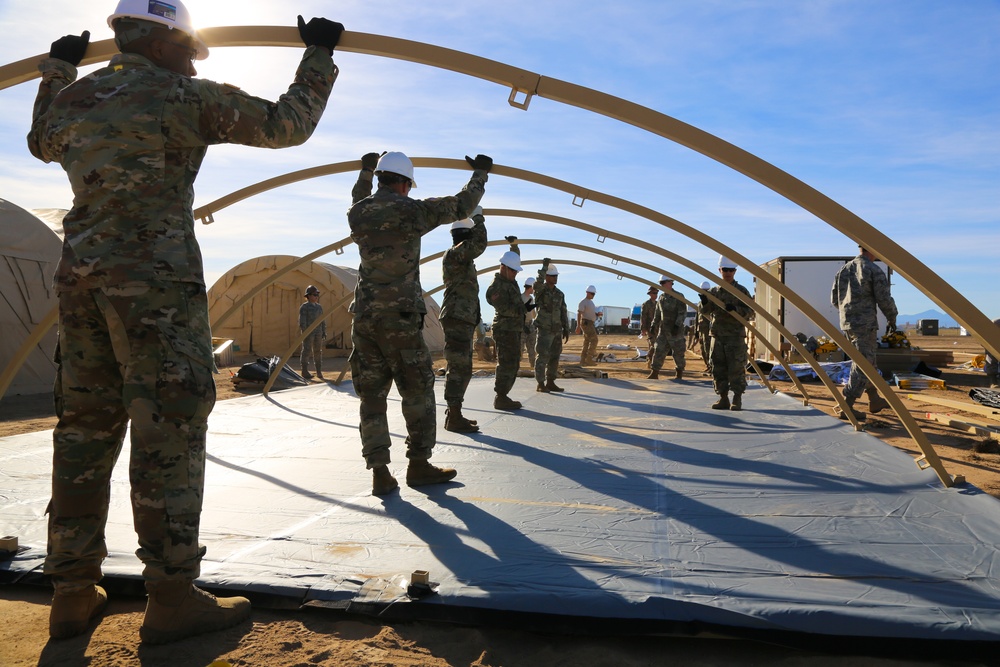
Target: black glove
pixel 320 32
pixel 565 336
pixel 704 299
pixel 369 161
pixel 510 239
pixel 70 48
pixel 481 162
pixel 890 327
pixel 730 307
pixel 530 306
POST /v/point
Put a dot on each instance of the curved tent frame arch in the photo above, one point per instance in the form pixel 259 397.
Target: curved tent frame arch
pixel 621 274
pixel 929 458
pixel 529 84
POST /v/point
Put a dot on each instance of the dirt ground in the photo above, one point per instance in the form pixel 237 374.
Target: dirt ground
pixel 302 638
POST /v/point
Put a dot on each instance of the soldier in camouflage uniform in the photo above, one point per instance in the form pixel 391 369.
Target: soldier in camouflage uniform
pixel 134 339
pixel 508 324
pixel 858 289
pixel 312 345
pixel 702 330
pixel 529 336
pixel 552 325
pixel 389 310
pixel 668 320
pixel 646 323
pixel 729 341
pixel 460 314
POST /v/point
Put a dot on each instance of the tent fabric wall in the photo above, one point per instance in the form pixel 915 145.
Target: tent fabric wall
pixel 267 324
pixel 29 251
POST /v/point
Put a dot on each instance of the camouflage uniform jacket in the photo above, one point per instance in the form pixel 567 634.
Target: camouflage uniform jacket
pixel 859 287
pixel 508 307
pixel 703 322
pixel 308 312
pixel 461 282
pixel 550 305
pixel 723 324
pixel 131 137
pixel 670 313
pixel 646 314
pixel 387 228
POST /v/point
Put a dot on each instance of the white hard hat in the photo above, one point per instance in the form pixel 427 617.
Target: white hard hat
pixel 591 289
pixel 395 162
pixel 511 260
pixel 172 14
pixel 552 270
pixel 529 282
pixel 666 279
pixel 463 224
pixel 706 285
pixel 726 263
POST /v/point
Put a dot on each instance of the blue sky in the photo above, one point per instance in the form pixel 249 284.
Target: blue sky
pixel 890 107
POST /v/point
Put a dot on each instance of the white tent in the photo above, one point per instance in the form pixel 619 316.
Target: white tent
pixel 268 323
pixel 30 250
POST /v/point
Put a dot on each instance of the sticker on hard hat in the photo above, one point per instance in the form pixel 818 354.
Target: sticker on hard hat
pixel 166 10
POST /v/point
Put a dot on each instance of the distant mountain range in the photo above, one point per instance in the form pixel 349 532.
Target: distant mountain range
pixel 944 321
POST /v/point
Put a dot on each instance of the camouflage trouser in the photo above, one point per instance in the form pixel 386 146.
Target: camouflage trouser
pixel 548 347
pixel 867 344
pixel 528 343
pixel 140 353
pixel 312 350
pixel 705 340
pixel 672 345
pixel 729 364
pixel 508 360
pixel 589 350
pixel 651 343
pixel 458 336
pixel 390 347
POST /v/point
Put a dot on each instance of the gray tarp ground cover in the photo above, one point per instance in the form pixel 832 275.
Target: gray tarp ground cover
pixel 614 500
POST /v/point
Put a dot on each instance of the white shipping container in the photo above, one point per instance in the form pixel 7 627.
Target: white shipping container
pixel 812 279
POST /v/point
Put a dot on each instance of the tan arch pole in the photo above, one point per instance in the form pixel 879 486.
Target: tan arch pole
pixel 27 345
pixel 302 336
pixel 657 270
pixel 529 84
pixel 620 275
pixel 206 213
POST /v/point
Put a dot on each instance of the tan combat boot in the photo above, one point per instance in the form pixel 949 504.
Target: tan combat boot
pixel 422 472
pixel 860 416
pixel 541 388
pixel 71 613
pixel 654 374
pixel 306 374
pixel 737 402
pixel 503 402
pixel 876 402
pixel 679 374
pixel 382 481
pixel 722 403
pixel 177 609
pixel 454 421
pixel 551 386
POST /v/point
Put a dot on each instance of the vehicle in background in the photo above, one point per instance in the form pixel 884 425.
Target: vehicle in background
pixel 613 319
pixel 635 323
